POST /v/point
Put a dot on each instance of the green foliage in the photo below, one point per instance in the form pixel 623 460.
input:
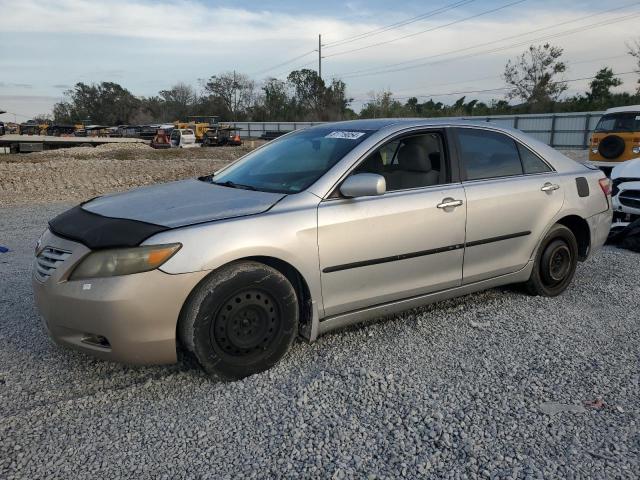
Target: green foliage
pixel 106 103
pixel 602 84
pixel 532 76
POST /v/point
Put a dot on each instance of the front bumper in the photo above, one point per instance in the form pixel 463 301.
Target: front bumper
pixel 136 314
pixel 627 200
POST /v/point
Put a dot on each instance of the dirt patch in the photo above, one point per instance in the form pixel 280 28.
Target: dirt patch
pixel 76 174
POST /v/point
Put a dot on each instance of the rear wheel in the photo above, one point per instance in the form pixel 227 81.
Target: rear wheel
pixel 555 263
pixel 241 320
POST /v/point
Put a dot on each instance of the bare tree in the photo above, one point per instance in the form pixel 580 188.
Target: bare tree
pixel 235 90
pixel 42 118
pixel 634 51
pixel 532 76
pixel 178 101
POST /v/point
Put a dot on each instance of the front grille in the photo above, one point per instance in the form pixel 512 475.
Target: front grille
pixel 630 198
pixel 48 260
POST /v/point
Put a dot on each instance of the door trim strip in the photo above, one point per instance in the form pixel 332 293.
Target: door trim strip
pixel 497 239
pixel 423 253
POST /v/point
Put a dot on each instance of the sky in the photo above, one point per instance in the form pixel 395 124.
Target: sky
pixel 453 48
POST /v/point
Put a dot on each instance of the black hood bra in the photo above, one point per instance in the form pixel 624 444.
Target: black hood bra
pixel 96 231
pixel 127 219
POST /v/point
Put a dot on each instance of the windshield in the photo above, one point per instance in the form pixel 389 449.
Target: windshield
pixel 292 163
pixel 619 122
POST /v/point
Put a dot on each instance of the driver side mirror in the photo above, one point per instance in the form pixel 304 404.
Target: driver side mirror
pixel 363 185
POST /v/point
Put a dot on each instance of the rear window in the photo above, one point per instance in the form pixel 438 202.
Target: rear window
pixel 531 162
pixel 619 122
pixel 187 132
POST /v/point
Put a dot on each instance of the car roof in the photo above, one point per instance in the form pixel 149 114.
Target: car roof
pixel 628 108
pixel 380 123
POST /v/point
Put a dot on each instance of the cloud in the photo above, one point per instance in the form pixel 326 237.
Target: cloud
pixel 181 20
pixel 15 85
pixel 147 45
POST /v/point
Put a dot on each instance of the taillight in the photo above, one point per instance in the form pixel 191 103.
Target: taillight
pixel 605 185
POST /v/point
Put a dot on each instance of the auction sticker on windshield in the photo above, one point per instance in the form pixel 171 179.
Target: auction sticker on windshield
pixel 344 135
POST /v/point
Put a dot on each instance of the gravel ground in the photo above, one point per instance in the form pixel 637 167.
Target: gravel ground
pixel 80 173
pixel 492 385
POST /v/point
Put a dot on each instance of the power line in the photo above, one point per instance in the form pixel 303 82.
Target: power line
pixel 495 77
pixel 367 34
pixel 494 89
pixel 486 12
pixel 406 62
pixel 287 62
pixel 507 47
pixel 308 64
pixel 399 24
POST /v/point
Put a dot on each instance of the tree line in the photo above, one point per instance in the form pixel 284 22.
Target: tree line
pixel 533 84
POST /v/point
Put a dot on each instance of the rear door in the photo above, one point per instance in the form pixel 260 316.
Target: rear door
pixel 403 243
pixel 512 195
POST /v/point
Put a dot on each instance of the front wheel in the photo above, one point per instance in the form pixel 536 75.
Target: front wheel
pixel 555 263
pixel 241 320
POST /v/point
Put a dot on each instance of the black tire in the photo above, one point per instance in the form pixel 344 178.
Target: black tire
pixel 240 320
pixel 555 263
pixel 611 146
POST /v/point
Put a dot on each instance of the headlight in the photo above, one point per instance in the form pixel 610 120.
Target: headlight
pixel 594 150
pixel 635 150
pixel 125 261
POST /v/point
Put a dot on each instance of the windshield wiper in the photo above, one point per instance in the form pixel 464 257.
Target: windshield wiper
pixel 231 184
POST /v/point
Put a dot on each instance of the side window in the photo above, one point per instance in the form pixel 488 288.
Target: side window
pixel 487 154
pixel 409 162
pixel 531 162
pixel 389 153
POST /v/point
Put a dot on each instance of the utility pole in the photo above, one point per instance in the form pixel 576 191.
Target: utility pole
pixel 320 56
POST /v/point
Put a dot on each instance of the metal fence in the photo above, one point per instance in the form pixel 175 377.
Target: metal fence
pixel 560 130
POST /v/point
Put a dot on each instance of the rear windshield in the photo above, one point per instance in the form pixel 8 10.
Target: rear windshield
pixel 619 122
pixel 294 162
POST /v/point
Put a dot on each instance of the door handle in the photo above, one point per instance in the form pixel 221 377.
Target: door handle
pixel 449 203
pixel 549 187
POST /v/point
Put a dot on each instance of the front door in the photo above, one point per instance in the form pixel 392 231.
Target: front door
pixel 406 242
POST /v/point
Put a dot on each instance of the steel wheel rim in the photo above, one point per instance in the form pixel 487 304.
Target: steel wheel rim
pixel 246 324
pixel 559 263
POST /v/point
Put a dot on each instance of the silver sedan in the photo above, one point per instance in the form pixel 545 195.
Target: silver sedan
pixel 317 230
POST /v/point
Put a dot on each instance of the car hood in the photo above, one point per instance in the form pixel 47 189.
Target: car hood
pixel 628 169
pixel 182 203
